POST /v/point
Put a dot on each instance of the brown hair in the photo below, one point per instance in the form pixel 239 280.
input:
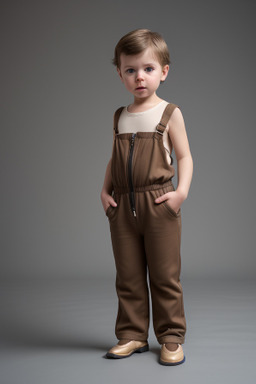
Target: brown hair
pixel 137 41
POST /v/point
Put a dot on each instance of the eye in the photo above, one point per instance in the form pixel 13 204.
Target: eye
pixel 149 69
pixel 129 70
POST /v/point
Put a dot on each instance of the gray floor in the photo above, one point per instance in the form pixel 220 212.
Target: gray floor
pixel 59 331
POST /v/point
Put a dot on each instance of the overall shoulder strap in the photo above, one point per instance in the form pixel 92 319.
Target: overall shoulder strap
pixel 165 117
pixel 116 118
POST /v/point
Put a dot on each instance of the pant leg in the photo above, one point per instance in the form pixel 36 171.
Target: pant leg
pixel 131 274
pixel 162 235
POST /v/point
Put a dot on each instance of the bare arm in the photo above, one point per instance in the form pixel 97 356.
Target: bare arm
pixel 107 185
pixel 106 192
pixel 178 135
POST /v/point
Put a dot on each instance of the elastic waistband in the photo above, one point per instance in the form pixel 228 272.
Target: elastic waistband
pixel 150 187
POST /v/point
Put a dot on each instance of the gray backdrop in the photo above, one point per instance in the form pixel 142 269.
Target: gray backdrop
pixel 59 92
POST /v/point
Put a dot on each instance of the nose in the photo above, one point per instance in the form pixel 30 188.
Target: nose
pixel 139 76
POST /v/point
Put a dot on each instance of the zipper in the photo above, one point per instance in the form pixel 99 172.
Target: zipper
pixel 131 193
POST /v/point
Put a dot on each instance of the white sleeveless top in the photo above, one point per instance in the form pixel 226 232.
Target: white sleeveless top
pixel 145 121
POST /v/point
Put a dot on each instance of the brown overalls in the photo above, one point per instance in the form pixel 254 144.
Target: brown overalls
pixel 145 234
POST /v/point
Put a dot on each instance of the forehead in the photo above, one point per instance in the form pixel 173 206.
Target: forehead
pixel 145 57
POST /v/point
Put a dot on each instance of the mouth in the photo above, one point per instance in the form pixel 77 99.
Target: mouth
pixel 140 88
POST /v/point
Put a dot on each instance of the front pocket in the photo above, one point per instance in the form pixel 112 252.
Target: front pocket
pixel 111 211
pixel 170 209
pixel 108 210
pixel 166 207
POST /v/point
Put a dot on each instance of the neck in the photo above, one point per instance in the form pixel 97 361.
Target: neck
pixel 147 101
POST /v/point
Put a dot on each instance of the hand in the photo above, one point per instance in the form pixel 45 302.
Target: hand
pixel 107 200
pixel 173 198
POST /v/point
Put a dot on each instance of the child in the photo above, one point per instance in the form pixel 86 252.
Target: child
pixel 142 205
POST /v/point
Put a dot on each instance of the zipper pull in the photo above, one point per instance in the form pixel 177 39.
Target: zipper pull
pixel 134 212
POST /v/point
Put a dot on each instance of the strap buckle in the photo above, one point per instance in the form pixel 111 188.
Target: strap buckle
pixel 160 132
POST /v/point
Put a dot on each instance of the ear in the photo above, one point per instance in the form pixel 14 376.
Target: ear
pixel 119 73
pixel 165 71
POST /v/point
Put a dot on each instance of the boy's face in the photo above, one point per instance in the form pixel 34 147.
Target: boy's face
pixel 142 70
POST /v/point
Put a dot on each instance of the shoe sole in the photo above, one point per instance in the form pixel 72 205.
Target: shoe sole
pixel 138 350
pixel 176 363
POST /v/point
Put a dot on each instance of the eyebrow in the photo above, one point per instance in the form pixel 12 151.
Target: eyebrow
pixel 144 65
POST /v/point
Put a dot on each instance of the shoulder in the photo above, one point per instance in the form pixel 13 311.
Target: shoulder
pixel 119 110
pixel 176 118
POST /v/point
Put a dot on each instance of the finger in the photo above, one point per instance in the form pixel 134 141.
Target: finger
pixel 113 203
pixel 162 198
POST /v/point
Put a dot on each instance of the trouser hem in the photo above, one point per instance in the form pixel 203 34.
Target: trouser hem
pixel 171 339
pixel 132 336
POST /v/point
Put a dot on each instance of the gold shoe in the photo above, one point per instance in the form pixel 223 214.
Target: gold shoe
pixel 171 357
pixel 126 350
